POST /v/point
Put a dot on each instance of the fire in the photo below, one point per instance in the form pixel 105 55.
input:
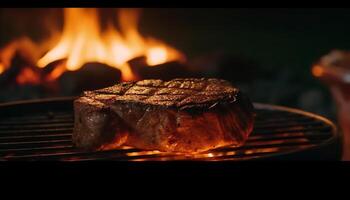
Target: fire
pixel 28 51
pixel 28 76
pixel 57 72
pixel 2 68
pixel 83 41
pixel 156 56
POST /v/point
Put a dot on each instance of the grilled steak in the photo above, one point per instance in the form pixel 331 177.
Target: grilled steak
pixel 181 115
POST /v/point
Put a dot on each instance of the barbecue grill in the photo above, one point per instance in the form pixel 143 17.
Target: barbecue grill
pixel 42 130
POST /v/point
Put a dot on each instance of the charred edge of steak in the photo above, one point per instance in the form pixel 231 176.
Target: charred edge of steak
pixel 95 124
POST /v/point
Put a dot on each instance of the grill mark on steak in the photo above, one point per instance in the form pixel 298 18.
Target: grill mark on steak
pixel 178 93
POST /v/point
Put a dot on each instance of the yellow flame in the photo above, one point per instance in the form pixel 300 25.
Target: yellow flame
pixel 82 41
pixel 156 56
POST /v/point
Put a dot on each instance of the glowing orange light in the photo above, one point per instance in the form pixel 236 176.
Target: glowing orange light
pixel 28 76
pixel 2 68
pixel 317 71
pixel 210 155
pixel 58 71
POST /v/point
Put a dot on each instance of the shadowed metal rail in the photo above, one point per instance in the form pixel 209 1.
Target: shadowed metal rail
pixel 42 130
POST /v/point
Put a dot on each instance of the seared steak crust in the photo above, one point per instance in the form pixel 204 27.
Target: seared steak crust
pixel 183 115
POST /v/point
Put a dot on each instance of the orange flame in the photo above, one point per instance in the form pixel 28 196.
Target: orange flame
pixel 2 68
pixel 57 72
pixel 28 76
pixel 83 41
pixel 28 50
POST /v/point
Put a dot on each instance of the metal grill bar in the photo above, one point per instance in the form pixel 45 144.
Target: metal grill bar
pixel 46 135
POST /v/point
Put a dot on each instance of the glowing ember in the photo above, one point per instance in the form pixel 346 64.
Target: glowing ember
pixel 142 153
pixel 28 76
pixel 24 46
pixel 317 71
pixel 2 68
pixel 210 155
pixel 83 41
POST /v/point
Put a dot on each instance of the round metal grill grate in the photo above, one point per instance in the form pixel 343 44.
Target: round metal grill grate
pixel 42 129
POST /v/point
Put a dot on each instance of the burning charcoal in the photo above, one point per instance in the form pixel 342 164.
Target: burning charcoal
pixel 20 66
pixel 165 71
pixel 90 77
pixel 50 75
pixel 137 63
pixel 53 65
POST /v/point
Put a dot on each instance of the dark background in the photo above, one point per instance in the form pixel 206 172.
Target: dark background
pixel 277 46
